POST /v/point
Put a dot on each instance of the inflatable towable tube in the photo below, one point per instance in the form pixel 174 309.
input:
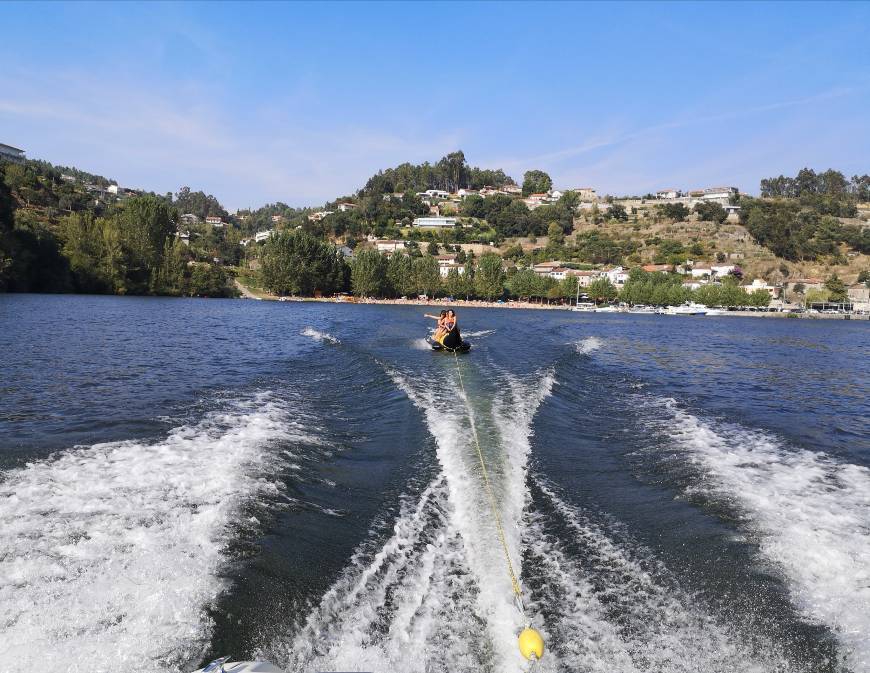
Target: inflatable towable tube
pixel 463 346
pixel 451 342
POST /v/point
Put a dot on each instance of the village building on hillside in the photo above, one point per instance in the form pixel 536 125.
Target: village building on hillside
pixel 215 221
pixel 586 193
pixel 189 218
pixel 657 268
pixel 859 295
pixel 319 215
pixel 434 194
pixel 669 193
pixel 13 154
pixel 617 275
pixel 261 236
pixel 344 207
pixel 387 245
pixel 761 284
pixel 435 222
pixel 545 268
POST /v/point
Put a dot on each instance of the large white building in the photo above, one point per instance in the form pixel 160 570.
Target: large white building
pixel 435 222
pixel 261 236
pixel 9 153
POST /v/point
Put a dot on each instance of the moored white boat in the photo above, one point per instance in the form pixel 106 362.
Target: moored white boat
pixel 587 307
pixel 689 308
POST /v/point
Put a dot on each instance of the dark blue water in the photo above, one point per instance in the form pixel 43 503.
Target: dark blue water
pixel 298 481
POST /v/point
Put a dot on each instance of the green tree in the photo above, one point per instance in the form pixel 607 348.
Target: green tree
pixel 819 296
pixel 601 290
pixel 84 250
pixel 427 276
pixel 432 248
pixel 399 275
pixel 536 182
pixel 454 284
pixel 710 295
pixel 523 283
pixel 555 234
pixel 294 262
pixel 145 223
pixel 489 277
pixel 618 212
pixel 170 276
pixel 837 292
pixel 367 273
pixel 673 211
pixel 710 211
pixel 759 298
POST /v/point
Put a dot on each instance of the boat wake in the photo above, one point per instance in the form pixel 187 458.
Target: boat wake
pixel 317 335
pixel 809 513
pixel 587 345
pixel 110 553
pixel 436 595
pixel 609 605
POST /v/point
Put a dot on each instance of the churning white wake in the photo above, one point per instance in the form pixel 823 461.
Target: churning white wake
pixel 109 553
pixel 810 512
pixel 479 333
pixel 436 595
pixel 317 335
pixel 587 345
pixel 612 607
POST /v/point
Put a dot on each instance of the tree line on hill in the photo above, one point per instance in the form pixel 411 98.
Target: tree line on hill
pixel 128 248
pixel 798 219
pixel 299 264
pixel 450 173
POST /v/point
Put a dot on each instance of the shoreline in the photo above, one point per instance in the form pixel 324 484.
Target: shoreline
pixel 512 304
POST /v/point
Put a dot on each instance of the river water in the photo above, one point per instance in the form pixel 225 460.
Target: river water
pixel 182 479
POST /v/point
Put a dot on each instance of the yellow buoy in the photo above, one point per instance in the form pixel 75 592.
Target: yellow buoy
pixel 531 643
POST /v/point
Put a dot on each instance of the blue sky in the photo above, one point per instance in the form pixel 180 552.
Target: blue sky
pixel 302 102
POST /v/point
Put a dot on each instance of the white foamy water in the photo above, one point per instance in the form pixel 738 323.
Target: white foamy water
pixel 436 595
pixel 810 513
pixel 479 333
pixel 616 609
pixel 109 553
pixel 317 335
pixel 587 345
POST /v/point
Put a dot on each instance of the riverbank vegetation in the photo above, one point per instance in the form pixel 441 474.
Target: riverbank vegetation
pixel 67 230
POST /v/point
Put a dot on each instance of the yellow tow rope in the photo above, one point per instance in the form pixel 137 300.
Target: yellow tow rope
pixel 530 641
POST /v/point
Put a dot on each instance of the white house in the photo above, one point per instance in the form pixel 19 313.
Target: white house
pixel 261 236
pixel 701 271
pixel 434 194
pixel 546 268
pixel 344 207
pixel 584 278
pixel 617 275
pixel 435 222
pixel 13 154
pixel 215 221
pixel 189 218
pixel 555 195
pixel 385 245
pixel 669 193
pixel 722 269
pixel 444 269
pixel 183 236
pixel 319 215
pixel 465 193
pixel 761 284
pixel 277 218
pixel 511 190
pixel 720 194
